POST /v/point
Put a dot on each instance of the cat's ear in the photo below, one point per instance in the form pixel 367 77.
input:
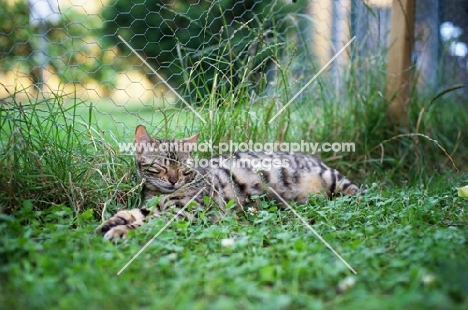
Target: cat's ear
pixel 189 143
pixel 192 139
pixel 141 135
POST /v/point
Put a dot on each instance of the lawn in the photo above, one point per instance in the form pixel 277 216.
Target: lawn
pixel 406 238
pixel 407 245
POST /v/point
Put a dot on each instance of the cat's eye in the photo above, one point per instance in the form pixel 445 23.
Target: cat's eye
pixel 186 172
pixel 156 170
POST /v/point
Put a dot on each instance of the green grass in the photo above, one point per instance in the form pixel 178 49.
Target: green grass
pixel 407 246
pixel 407 240
pixel 61 172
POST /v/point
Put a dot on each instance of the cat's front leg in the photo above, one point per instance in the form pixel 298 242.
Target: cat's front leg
pixel 181 204
pixel 121 223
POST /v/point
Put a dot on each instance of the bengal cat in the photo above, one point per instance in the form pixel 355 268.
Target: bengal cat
pixel 169 169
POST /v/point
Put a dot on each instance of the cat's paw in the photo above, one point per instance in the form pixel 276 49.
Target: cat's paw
pixel 117 232
pixel 129 219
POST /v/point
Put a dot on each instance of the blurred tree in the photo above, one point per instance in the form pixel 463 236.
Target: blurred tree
pixel 15 34
pixel 191 42
pixel 71 46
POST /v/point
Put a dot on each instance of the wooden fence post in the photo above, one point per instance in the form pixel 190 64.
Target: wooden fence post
pixel 399 61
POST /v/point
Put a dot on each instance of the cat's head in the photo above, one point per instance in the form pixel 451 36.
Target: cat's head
pixel 165 164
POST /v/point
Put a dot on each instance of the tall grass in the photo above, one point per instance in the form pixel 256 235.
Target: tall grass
pixel 354 112
pixel 53 151
pixel 51 155
pixel 59 162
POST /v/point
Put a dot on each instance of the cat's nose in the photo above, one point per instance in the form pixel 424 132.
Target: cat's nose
pixel 173 180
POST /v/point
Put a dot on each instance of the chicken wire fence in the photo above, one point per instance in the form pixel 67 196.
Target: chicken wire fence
pixel 90 49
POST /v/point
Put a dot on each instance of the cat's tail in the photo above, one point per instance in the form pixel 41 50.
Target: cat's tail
pixel 341 185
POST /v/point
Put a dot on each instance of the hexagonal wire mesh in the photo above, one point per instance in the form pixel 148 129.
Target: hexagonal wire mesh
pixel 73 47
